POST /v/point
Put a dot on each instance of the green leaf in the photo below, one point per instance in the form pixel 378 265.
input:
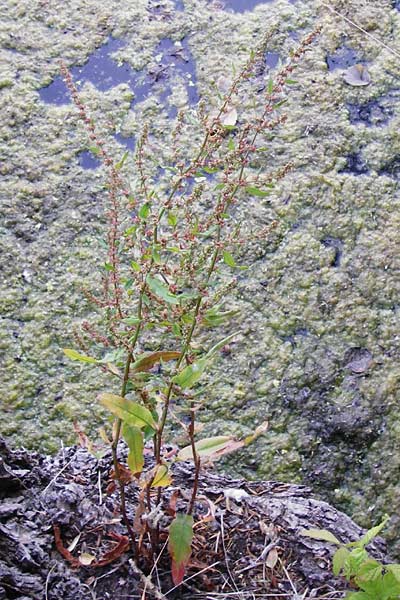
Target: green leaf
pixel 156 256
pixel 128 411
pixel 144 211
pixel 213 318
pixel 321 534
pixel 135 266
pixel 130 230
pixel 161 477
pixel 176 330
pixel 172 219
pixel 278 104
pixel 119 164
pixel 210 170
pixel 370 570
pixel 228 259
pixel 221 344
pixel 231 145
pixel 395 570
pixel 74 355
pixel 339 559
pixel 94 150
pixel 291 82
pixel 134 439
pixel 190 374
pixel 205 447
pixel 270 87
pixel 370 535
pixel 180 545
pixel 131 321
pixel 390 586
pixel 109 267
pixel 161 290
pixel 253 191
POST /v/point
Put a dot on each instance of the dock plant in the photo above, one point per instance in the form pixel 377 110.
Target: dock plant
pixel 170 264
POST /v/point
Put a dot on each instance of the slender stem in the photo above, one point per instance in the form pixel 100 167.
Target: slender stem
pixel 114 448
pixel 196 459
pixel 118 426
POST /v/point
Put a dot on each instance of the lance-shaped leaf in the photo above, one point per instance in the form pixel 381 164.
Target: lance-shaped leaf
pixel 161 290
pixel 134 438
pixel 74 355
pixel 321 534
pixel 213 318
pixel 161 477
pixel 180 545
pixel 253 191
pixel 146 361
pixel 191 374
pixel 220 345
pixel 206 447
pixel 128 411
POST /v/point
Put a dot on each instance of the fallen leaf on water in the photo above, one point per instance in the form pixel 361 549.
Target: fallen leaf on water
pixel 357 75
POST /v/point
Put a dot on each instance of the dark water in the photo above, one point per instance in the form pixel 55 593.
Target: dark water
pixel 355 165
pixel 104 73
pixel 242 6
pixel 344 57
pixel 87 160
pixel 128 142
pixel 370 113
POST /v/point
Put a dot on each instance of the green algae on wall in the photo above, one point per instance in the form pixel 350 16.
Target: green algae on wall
pixel 319 355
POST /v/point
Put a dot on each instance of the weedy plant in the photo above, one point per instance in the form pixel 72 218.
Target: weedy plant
pixel 375 580
pixel 164 283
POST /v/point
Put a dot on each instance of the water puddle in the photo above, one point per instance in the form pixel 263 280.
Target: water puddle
pixel 371 113
pixel 87 160
pixel 244 5
pixel 128 142
pixel 175 59
pixel 104 73
pixel 355 165
pixel 343 58
pixel 392 168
